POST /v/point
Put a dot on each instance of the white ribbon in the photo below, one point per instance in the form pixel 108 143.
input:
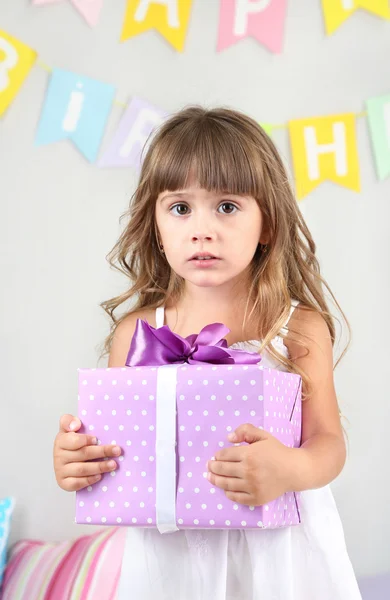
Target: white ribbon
pixel 166 449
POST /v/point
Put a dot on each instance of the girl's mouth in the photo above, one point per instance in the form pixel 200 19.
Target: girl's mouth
pixel 204 259
pixel 203 256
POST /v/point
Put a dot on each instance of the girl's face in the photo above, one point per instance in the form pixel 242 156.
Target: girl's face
pixel 194 224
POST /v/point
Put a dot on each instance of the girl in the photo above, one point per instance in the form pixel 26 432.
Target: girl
pixel 216 235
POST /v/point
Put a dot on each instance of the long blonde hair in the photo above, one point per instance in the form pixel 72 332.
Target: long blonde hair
pixel 228 152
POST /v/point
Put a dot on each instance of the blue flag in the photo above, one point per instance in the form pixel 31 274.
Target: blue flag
pixel 77 108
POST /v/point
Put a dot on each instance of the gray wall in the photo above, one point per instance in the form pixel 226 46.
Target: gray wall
pixel 60 217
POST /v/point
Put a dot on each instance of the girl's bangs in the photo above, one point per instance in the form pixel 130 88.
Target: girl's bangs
pixel 214 158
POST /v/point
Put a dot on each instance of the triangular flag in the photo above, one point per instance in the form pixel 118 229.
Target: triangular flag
pixel 133 135
pixel 169 17
pixel 324 148
pixel 338 11
pixel 264 20
pixel 16 60
pixel 89 9
pixel 378 110
pixel 76 108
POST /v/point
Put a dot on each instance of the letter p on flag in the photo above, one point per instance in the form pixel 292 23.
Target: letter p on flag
pixel 262 19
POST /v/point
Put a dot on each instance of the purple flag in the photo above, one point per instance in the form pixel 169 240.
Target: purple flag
pixel 139 120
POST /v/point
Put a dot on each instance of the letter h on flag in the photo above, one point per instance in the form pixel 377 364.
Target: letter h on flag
pixel 324 148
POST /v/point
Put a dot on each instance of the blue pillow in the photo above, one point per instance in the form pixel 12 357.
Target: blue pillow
pixel 6 508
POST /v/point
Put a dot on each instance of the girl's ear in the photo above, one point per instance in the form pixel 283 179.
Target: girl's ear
pixel 264 237
pixel 265 234
pixel 157 234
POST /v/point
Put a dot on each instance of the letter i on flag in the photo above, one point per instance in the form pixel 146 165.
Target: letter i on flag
pixel 324 148
pixel 77 108
pixel 338 11
pixel 379 123
pixel 261 19
pixel 169 17
pixel 16 60
pixel 89 9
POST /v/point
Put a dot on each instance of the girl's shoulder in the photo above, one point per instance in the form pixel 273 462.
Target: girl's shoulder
pixel 124 332
pixel 307 329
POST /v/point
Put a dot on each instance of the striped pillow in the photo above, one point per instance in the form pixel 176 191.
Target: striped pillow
pixel 6 508
pixel 83 569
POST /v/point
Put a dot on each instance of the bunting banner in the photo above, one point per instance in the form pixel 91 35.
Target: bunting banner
pixel 77 108
pixel 324 148
pixel 138 122
pixel 169 17
pixel 16 61
pixel 338 11
pixel 262 19
pixel 89 9
pixel 379 123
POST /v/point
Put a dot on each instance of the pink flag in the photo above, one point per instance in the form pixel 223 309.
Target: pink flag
pixel 262 19
pixel 90 9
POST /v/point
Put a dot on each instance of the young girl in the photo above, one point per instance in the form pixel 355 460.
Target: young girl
pixel 216 235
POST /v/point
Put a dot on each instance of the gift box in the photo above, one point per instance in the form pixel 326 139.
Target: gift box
pixel 170 416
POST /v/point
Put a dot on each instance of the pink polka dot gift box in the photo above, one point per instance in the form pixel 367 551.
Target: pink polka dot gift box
pixel 170 410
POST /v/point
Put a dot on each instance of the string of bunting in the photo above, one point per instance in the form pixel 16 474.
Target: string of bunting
pixel 77 108
pixel 263 20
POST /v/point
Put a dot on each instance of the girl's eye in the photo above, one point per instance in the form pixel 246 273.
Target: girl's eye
pixel 181 209
pixel 228 208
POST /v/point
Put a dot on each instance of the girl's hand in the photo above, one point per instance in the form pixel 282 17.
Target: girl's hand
pixel 254 474
pixel 73 450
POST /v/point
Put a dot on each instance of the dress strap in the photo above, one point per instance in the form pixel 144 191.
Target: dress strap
pixel 294 304
pixel 159 317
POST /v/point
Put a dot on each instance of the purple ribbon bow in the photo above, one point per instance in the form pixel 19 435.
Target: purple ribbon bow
pixel 153 347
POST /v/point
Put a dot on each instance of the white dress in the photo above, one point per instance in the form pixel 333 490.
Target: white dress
pixel 304 562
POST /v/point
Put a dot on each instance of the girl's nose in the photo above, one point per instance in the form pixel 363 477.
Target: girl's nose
pixel 202 237
pixel 202 227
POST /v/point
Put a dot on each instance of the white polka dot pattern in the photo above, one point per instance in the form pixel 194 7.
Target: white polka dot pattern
pixel 118 404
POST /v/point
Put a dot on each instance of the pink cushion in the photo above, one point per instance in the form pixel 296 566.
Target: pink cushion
pixel 83 569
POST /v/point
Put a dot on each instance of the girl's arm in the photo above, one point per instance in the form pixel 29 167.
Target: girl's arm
pixel 322 455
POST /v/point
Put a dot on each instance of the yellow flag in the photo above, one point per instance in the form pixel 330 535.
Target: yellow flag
pixel 324 148
pixel 338 11
pixel 169 17
pixel 16 60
